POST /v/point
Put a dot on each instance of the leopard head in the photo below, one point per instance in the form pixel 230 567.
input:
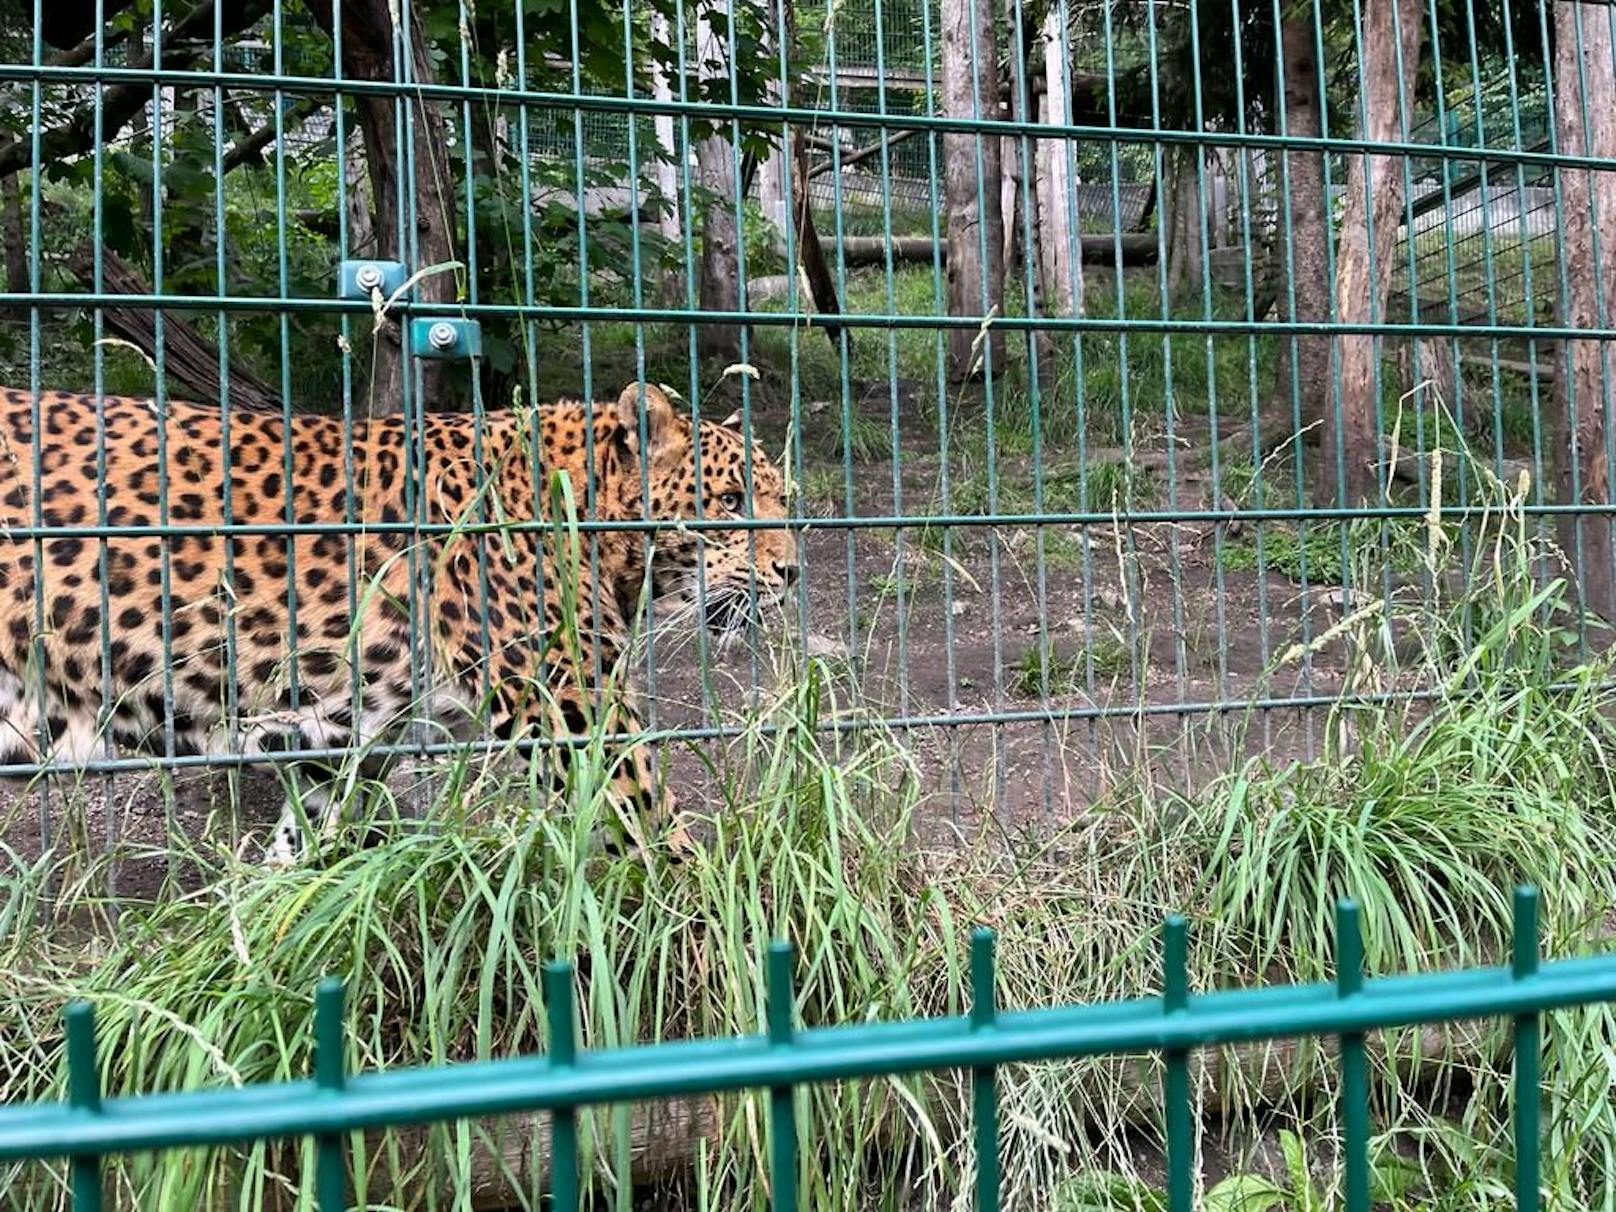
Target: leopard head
pixel 711 473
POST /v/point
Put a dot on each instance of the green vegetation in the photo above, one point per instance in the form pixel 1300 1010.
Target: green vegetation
pixel 1427 813
pixel 1065 670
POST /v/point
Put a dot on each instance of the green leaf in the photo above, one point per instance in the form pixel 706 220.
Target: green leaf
pixel 1304 1194
pixel 1244 1193
pixel 1106 1191
pixel 1393 1178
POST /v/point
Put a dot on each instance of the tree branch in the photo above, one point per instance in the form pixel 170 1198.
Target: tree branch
pixel 122 102
pixel 252 146
pixel 83 52
pixel 187 354
pixel 863 153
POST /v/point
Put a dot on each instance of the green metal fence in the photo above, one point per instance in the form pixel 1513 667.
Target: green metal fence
pixel 1116 524
pixel 333 1105
pixel 1130 505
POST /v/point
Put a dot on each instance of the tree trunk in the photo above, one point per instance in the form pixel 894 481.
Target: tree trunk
pixel 15 236
pixel 188 356
pixel 1584 394
pixel 1012 196
pixel 720 240
pixel 1183 218
pixel 1427 370
pixel 367 54
pixel 1060 255
pixel 810 254
pixel 361 211
pixel 975 214
pixel 1304 361
pixel 666 171
pixel 1393 33
pixel 1016 173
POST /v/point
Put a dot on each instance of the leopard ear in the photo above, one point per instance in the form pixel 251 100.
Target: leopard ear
pixel 733 421
pixel 659 417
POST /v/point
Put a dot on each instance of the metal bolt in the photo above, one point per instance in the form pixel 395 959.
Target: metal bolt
pixel 369 277
pixel 442 336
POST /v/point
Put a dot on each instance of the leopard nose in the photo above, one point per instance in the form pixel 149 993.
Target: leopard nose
pixel 786 570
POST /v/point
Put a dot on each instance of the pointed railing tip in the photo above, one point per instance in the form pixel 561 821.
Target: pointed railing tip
pixel 983 980
pixel 1349 959
pixel 330 996
pixel 780 994
pixel 559 1011
pixel 1525 929
pixel 83 1070
pixel 1175 962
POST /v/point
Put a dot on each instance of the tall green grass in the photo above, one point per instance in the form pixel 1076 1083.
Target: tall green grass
pixel 813 826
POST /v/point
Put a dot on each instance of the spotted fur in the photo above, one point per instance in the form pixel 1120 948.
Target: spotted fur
pixel 500 663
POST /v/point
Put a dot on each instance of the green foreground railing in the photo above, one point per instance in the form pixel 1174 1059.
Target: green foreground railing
pixel 86 1128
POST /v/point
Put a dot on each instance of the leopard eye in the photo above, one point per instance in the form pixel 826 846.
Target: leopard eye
pixel 731 501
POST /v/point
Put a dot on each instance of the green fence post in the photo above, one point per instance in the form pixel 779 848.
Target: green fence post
pixel 1528 1046
pixel 563 1052
pixel 84 1093
pixel 330 1174
pixel 1354 1069
pixel 1180 1132
pixel 984 1095
pixel 782 1103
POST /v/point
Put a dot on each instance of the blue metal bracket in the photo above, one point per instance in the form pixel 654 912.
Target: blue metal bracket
pixel 445 338
pixel 357 279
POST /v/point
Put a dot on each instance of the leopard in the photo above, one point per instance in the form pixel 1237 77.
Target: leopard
pixel 364 579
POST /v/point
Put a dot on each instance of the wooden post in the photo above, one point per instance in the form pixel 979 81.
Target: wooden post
pixel 975 215
pixel 1393 33
pixel 1060 257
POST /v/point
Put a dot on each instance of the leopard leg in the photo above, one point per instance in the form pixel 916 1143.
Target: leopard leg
pixel 640 808
pixel 644 804
pixel 313 802
pixel 318 798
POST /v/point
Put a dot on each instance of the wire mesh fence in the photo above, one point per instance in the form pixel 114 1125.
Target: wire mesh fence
pixel 1111 371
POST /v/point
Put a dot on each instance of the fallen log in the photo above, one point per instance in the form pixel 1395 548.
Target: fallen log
pixel 1414 466
pixel 188 356
pixel 509 1158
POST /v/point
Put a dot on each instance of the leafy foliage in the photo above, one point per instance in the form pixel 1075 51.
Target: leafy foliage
pixel 517 165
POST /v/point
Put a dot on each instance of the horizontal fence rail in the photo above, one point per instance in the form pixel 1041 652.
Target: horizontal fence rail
pixel 776 114
pixel 334 1104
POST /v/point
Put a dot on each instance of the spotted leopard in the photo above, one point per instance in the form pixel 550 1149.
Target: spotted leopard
pixel 304 587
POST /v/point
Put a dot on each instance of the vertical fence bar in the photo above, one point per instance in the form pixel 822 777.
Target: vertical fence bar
pixel 1528 1054
pixel 984 1093
pixel 1180 1131
pixel 36 245
pixel 782 1102
pixel 563 1052
pixel 330 1173
pixel 84 1093
pixel 1354 1068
